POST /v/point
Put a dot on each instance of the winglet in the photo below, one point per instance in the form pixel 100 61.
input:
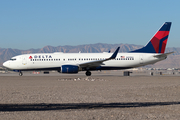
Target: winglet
pixel 115 53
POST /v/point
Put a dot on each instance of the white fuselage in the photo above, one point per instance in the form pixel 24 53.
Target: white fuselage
pixel 54 61
pixel 151 53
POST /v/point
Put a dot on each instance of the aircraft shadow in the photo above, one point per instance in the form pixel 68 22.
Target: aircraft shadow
pixel 76 106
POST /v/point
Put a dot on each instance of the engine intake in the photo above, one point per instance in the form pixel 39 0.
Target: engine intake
pixel 69 69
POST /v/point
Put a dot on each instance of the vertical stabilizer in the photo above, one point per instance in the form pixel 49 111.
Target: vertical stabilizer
pixel 158 42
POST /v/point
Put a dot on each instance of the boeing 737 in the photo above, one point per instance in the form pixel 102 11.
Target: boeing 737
pixel 75 62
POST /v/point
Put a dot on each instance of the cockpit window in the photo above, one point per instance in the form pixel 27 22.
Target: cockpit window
pixel 13 59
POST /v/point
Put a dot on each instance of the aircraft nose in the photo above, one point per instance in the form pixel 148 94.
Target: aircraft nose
pixel 6 64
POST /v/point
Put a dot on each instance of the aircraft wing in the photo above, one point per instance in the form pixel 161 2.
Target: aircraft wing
pixel 163 55
pixel 99 62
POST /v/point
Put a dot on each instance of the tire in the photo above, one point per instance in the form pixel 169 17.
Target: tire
pixel 88 73
pixel 20 73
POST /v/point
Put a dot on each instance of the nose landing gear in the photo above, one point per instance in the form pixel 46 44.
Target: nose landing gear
pixel 20 73
pixel 88 73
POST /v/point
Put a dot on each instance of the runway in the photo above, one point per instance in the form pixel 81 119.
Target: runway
pixel 104 95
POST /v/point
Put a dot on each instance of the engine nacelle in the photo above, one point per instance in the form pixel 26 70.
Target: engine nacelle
pixel 69 69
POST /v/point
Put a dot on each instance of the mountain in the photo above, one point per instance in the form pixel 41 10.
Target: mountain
pixel 171 62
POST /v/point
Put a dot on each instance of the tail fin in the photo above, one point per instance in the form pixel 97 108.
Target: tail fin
pixel 158 42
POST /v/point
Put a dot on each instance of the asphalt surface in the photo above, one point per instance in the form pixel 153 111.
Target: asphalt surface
pixel 104 95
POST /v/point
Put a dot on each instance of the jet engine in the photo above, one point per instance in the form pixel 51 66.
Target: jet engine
pixel 69 69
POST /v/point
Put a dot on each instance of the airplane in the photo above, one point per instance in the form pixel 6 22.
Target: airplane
pixel 72 63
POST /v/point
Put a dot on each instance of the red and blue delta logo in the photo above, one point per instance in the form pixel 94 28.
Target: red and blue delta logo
pixel 40 56
pixel 30 57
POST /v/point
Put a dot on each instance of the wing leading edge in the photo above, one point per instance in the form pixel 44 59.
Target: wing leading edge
pixel 99 62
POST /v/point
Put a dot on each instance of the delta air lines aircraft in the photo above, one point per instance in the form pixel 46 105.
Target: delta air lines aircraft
pixel 75 62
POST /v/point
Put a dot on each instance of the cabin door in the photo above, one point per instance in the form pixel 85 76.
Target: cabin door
pixel 24 60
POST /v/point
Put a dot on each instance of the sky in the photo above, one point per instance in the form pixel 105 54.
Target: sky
pixel 26 24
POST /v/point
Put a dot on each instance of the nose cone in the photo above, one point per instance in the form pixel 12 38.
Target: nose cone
pixel 6 64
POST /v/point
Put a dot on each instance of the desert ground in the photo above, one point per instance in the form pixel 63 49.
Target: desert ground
pixel 104 95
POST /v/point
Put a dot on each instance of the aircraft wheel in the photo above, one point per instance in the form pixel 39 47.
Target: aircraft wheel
pixel 88 73
pixel 20 73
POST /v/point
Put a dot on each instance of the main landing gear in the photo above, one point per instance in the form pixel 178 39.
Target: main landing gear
pixel 20 73
pixel 88 73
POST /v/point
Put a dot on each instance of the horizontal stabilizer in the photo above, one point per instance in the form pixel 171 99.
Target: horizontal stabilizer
pixel 163 55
